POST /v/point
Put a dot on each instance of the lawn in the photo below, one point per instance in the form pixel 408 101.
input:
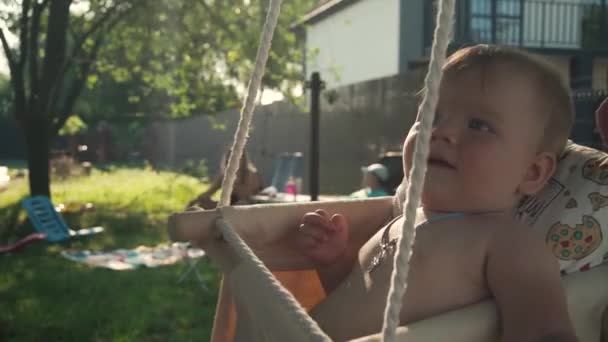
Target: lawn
pixel 45 297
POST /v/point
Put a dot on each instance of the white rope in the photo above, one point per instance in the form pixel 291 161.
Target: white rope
pixel 426 114
pixel 283 297
pixel 241 135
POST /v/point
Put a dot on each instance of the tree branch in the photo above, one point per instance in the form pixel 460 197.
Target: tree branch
pixel 78 84
pixel 23 34
pixel 34 36
pixel 76 88
pixel 94 27
pixel 8 53
pixel 88 60
pixel 79 45
pixel 59 15
pixel 16 78
pixel 22 104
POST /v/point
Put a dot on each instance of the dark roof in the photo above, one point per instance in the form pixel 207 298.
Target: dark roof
pixel 323 9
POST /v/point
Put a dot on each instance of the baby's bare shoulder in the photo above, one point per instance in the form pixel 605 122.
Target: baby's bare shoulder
pixel 480 228
pixel 505 228
pixel 495 226
pixel 480 233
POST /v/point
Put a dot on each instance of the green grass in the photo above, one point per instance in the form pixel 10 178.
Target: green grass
pixel 13 163
pixel 45 297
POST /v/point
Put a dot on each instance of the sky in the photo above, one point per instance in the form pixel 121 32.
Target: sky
pixel 3 62
pixel 3 66
pixel 12 39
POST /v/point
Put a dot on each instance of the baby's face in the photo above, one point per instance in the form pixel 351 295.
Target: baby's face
pixel 485 137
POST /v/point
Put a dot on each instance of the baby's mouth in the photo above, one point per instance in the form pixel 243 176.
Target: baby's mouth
pixel 440 163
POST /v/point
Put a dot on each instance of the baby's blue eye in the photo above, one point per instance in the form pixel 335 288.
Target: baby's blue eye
pixel 480 125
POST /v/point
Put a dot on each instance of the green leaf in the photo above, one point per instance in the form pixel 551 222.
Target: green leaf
pixel 73 126
pixel 92 81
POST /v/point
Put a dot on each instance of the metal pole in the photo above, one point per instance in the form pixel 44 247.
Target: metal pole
pixel 315 86
pixel 521 22
pixel 603 24
pixel 494 23
pixel 542 23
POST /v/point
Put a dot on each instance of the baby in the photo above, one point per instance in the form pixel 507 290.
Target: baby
pixel 502 118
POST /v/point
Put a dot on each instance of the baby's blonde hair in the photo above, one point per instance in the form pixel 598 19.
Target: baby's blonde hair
pixel 556 102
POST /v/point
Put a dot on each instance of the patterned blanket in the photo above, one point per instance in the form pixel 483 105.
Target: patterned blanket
pixel 142 256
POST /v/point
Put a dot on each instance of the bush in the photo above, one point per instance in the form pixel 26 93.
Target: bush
pixel 196 169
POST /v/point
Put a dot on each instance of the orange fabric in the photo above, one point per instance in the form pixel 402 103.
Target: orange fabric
pixel 604 333
pixel 304 285
pixel 224 323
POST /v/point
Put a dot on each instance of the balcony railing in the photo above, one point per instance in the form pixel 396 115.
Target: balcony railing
pixel 557 24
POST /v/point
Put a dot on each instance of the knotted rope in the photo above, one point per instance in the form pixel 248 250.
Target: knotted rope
pixel 283 297
pixel 426 115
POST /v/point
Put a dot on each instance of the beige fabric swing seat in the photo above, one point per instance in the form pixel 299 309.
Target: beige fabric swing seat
pixel 269 231
pixel 249 242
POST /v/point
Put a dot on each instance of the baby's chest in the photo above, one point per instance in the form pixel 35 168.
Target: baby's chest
pixel 444 249
pixel 446 270
pixel 438 254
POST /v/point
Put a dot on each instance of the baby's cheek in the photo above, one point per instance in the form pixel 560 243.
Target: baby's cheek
pixel 493 170
pixel 480 167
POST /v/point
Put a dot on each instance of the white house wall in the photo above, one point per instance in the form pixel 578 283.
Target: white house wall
pixel 358 43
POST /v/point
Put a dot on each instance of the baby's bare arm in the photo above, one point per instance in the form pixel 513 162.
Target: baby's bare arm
pixel 525 280
pixel 331 276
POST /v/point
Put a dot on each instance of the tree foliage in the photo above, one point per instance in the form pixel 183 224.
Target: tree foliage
pixel 6 97
pixel 135 59
pixel 58 43
pixel 176 58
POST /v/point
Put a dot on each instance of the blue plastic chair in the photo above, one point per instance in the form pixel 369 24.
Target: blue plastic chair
pixel 287 165
pixel 46 220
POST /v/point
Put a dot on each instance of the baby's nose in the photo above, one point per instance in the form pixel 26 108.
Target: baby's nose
pixel 444 130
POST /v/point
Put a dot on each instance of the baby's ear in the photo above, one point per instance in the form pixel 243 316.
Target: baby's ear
pixel 539 172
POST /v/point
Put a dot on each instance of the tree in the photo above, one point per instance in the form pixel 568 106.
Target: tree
pixel 171 58
pixel 6 98
pixel 177 58
pixel 57 45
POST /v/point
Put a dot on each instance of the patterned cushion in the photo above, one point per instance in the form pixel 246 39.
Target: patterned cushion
pixel 571 211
